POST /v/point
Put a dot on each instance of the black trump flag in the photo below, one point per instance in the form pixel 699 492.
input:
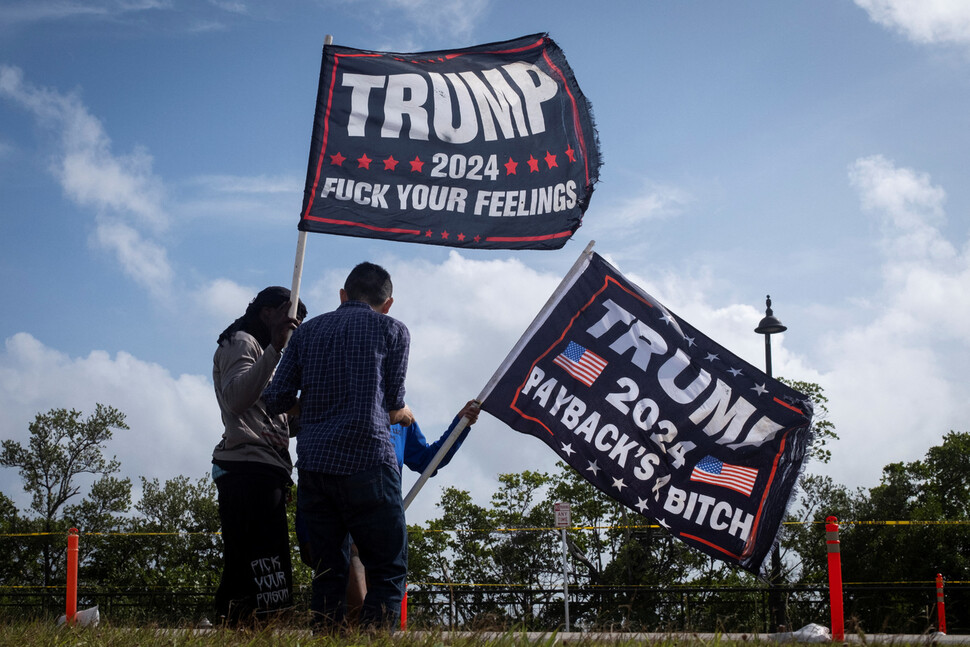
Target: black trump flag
pixel 657 415
pixel 489 147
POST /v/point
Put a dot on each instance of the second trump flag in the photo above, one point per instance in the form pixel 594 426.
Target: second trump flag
pixel 657 415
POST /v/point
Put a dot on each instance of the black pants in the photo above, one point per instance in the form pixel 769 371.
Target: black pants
pixel 257 575
pixel 368 506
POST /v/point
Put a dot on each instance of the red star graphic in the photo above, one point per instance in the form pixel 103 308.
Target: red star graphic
pixel 416 164
pixel 571 154
pixel 510 167
pixel 477 239
pixel 461 238
pixel 390 163
pixel 533 164
pixel 363 161
pixel 337 159
pixel 551 159
pixel 427 234
pixel 444 235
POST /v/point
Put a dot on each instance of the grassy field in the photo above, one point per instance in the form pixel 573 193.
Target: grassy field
pixel 46 634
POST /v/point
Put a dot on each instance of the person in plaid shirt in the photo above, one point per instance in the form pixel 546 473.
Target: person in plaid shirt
pixel 348 367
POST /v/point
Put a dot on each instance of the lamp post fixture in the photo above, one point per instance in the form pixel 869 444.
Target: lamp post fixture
pixel 770 325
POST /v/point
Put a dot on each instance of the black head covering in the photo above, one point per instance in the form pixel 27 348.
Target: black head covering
pixel 250 322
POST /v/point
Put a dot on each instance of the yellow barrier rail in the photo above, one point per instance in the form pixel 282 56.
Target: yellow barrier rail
pixel 843 524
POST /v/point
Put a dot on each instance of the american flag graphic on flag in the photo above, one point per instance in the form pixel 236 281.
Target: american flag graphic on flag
pixel 711 470
pixel 582 364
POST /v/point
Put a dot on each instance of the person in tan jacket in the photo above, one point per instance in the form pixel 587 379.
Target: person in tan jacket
pixel 251 465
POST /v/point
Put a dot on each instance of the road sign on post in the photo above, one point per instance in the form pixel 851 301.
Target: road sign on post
pixel 563 521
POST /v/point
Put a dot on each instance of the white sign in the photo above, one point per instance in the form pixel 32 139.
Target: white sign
pixel 562 515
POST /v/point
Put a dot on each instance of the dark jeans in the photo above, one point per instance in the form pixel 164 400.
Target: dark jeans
pixel 257 576
pixel 367 505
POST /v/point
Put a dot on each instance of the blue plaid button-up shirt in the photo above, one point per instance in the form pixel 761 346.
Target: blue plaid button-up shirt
pixel 349 366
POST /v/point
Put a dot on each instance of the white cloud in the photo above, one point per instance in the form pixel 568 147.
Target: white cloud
pixel 894 388
pixel 143 260
pixel 93 177
pixel 923 21
pixel 89 172
pixel 223 300
pixel 926 276
pixel 231 6
pixel 909 208
pixel 122 189
pixel 206 26
pixel 174 420
pixel 31 11
pixel 454 18
pixel 49 10
pixel 464 316
pixel 261 184
pixel 239 198
pixel 655 202
pixel 892 394
pixel 618 225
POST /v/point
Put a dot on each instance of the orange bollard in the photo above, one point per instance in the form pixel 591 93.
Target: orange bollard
pixel 835 578
pixel 72 552
pixel 940 610
pixel 404 611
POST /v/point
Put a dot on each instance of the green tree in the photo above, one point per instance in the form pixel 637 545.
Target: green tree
pixel 507 551
pixel 591 509
pixel 932 493
pixel 175 551
pixel 186 552
pixel 625 557
pixel 455 550
pixel 785 560
pixel 16 562
pixel 105 507
pixel 823 429
pixel 101 516
pixel 61 449
pixel 820 497
pixel 513 555
pixel 816 497
pixel 525 553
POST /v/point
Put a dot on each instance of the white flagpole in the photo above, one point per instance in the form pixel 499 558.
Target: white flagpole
pixel 300 248
pixel 297 273
pixel 540 318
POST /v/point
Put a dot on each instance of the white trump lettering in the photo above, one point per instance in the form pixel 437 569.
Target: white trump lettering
pixel 516 107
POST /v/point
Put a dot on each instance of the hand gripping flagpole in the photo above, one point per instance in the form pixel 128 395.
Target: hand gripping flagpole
pixel 540 318
pixel 300 251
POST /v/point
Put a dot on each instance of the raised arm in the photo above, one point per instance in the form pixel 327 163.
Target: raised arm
pixel 418 453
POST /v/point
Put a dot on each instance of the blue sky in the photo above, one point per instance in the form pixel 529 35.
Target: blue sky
pixel 153 152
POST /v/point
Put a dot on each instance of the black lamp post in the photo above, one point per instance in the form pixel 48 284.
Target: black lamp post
pixel 769 326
